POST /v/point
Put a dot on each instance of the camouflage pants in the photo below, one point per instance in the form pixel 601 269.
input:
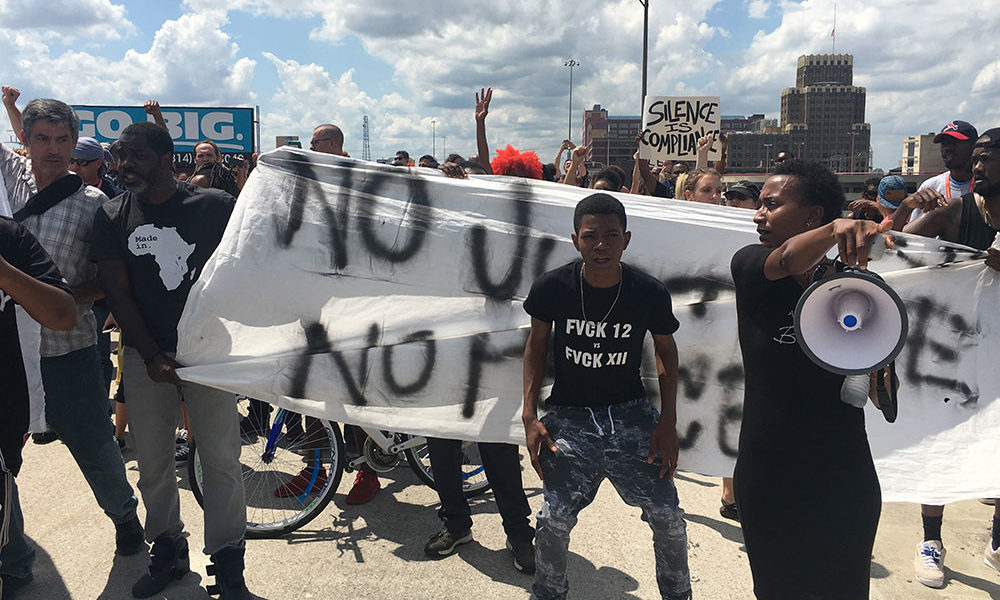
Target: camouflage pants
pixel 613 443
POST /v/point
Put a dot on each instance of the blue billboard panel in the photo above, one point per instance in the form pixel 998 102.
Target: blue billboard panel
pixel 232 129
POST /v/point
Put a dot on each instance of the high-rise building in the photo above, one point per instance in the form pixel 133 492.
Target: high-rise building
pixel 613 139
pixel 822 119
pixel 921 155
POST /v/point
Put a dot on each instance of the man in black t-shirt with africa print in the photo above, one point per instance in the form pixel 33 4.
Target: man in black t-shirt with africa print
pixel 150 245
pixel 599 423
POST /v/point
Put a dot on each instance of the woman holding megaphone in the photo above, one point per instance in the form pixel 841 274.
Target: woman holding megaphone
pixel 806 489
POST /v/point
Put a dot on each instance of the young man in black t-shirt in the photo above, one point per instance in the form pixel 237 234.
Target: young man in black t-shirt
pixel 600 423
pixel 150 244
pixel 28 278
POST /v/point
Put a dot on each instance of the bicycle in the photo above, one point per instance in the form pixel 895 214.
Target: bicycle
pixel 291 471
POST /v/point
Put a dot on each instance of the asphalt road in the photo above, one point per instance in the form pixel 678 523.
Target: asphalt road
pixel 375 551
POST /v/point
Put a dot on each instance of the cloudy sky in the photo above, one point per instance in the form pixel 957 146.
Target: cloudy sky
pixel 408 62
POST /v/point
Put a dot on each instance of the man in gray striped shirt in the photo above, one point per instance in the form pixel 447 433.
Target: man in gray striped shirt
pixel 58 208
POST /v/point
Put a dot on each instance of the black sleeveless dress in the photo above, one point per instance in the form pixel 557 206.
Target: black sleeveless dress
pixel 806 489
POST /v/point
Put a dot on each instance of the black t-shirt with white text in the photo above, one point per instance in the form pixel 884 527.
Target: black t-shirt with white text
pixel 597 361
pixel 19 248
pixel 164 247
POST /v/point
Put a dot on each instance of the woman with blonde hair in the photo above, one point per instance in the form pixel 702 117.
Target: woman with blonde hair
pixel 703 185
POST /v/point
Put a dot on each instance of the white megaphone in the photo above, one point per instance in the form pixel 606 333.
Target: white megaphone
pixel 851 323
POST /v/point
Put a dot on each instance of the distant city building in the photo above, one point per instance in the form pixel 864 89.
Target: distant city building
pixel 755 122
pixel 613 139
pixel 822 119
pixel 287 140
pixel 921 155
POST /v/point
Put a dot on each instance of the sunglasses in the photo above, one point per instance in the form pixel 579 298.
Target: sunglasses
pixel 312 143
pixel 82 163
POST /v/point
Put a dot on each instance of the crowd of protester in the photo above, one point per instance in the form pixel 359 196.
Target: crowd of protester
pixel 79 252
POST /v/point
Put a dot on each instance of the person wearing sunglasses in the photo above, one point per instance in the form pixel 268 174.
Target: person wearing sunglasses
pixel 88 161
pixel 329 139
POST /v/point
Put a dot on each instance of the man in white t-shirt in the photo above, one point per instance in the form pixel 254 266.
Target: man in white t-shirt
pixel 956 140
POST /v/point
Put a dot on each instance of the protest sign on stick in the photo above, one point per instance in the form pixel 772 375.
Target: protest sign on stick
pixel 671 126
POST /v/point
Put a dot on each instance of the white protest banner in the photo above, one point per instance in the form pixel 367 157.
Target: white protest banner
pixel 671 126
pixel 391 297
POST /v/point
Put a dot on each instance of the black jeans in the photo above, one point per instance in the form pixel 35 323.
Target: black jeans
pixel 503 469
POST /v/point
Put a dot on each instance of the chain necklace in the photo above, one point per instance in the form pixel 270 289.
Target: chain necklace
pixel 984 211
pixel 583 309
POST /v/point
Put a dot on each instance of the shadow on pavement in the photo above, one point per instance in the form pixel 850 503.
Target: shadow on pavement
pixel 48 583
pixel 125 571
pixel 733 533
pixel 975 583
pixel 879 571
pixel 605 582
pixel 498 565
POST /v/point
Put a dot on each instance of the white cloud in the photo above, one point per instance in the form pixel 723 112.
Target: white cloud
pixel 917 77
pixel 443 51
pixel 988 79
pixel 757 9
pixel 190 60
pixel 440 52
pixel 67 20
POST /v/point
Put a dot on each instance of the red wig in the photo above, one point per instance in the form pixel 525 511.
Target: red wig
pixel 510 161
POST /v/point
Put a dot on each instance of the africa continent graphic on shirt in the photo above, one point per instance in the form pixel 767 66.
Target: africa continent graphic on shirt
pixel 167 247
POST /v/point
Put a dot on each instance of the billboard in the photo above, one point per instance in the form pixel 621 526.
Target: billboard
pixel 232 129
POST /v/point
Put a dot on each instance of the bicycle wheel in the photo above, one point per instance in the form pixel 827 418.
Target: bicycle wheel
pixel 474 480
pixel 290 471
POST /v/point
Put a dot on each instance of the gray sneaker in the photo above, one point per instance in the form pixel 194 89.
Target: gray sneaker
pixel 443 543
pixel 524 555
pixel 928 564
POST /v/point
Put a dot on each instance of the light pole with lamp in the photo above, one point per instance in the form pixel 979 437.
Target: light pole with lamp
pixel 434 123
pixel 645 47
pixel 767 159
pixel 571 64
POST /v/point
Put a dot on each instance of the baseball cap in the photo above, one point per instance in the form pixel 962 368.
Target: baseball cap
pixel 87 148
pixel 960 130
pixel 891 183
pixel 990 138
pixel 747 188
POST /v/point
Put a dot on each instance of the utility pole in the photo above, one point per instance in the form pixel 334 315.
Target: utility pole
pixel 366 152
pixel 571 64
pixel 853 159
pixel 645 47
pixel 444 146
pixel 434 123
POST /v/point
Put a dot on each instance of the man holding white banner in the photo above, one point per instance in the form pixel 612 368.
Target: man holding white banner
pixel 150 244
pixel 599 418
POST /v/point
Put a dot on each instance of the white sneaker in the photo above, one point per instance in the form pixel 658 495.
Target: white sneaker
pixel 992 558
pixel 928 564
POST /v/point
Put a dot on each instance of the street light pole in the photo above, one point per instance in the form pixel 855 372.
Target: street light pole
pixel 645 48
pixel 767 159
pixel 853 159
pixel 434 123
pixel 571 64
pixel 444 146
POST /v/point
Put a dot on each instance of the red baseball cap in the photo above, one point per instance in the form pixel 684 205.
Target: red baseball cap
pixel 960 130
